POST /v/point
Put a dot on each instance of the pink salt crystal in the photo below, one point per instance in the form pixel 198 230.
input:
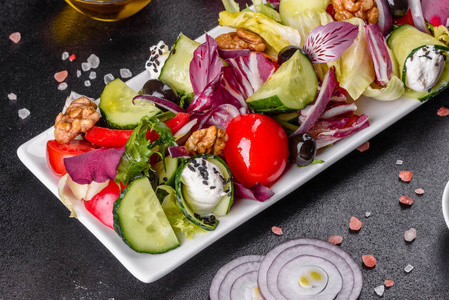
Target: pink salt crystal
pixel 15 37
pixel 419 191
pixel 335 239
pixel 363 147
pixel 61 76
pixel 406 200
pixel 410 235
pixel 405 176
pixel 443 111
pixel 276 230
pixel 389 283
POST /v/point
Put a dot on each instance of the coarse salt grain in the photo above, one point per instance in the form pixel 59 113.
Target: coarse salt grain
pixel 87 83
pixel 408 268
pixel 363 147
pixel 406 200
pixel 399 162
pixel 65 55
pixel 125 73
pixel 85 66
pixel 61 76
pixel 15 37
pixel 335 239
pixel 23 113
pixel 419 191
pixel 276 230
pixel 108 78
pixel 368 214
pixel 410 235
pixel 12 96
pixel 62 86
pixel 443 112
pixel 405 176
pixel 92 75
pixel 355 224
pixel 78 73
pixel 388 283
pixel 93 61
pixel 379 290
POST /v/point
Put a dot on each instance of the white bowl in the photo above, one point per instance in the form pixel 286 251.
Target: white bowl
pixel 446 204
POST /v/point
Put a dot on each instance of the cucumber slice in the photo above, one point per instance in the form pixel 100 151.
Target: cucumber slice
pixel 140 221
pixel 404 42
pixel 290 88
pixel 176 68
pixel 118 109
pixel 167 174
pixel 209 222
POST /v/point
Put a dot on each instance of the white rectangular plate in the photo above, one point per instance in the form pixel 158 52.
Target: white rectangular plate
pixel 147 267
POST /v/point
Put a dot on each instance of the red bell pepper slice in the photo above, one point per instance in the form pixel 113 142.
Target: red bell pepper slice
pixel 116 138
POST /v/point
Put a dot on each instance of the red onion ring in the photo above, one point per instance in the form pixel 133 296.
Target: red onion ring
pixel 352 276
pixel 385 20
pixel 417 15
pixel 223 271
pixel 167 104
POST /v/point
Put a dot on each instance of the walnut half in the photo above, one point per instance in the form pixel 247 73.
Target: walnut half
pixel 80 116
pixel 241 39
pixel 210 140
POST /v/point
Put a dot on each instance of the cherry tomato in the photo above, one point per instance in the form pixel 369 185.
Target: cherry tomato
pixel 257 149
pixel 101 204
pixel 56 152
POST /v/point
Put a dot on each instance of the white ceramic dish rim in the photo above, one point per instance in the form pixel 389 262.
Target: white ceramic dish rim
pixel 445 204
pixel 149 268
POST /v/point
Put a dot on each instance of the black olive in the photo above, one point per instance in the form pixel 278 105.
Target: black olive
pixel 398 8
pixel 288 52
pixel 155 87
pixel 302 149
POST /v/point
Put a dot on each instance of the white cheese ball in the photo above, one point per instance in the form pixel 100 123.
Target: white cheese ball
pixel 202 192
pixel 424 68
pixel 158 55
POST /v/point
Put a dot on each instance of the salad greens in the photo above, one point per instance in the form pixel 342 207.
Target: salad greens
pixel 136 158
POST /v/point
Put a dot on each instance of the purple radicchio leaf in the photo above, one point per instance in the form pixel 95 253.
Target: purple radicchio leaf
pixel 203 101
pixel 333 109
pixel 377 46
pixel 327 42
pixel 258 192
pixel 319 106
pixel 205 65
pixel 219 117
pixel 97 165
pixel 178 151
pixel 275 3
pixel 251 71
pixel 331 136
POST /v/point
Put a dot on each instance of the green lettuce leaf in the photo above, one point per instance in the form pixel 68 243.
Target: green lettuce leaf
pixel 394 89
pixel 290 8
pixel 441 33
pixel 177 219
pixel 355 71
pixel 136 158
pixel 266 10
pixel 231 6
pixel 308 20
pixel 276 35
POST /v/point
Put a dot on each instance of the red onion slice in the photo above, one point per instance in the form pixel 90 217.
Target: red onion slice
pixel 385 20
pixel 326 288
pixel 221 273
pixel 224 291
pixel 417 15
pixel 167 104
pixel 244 286
pixel 352 278
pixel 178 151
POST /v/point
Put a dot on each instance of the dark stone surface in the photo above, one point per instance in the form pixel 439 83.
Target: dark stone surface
pixel 44 254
